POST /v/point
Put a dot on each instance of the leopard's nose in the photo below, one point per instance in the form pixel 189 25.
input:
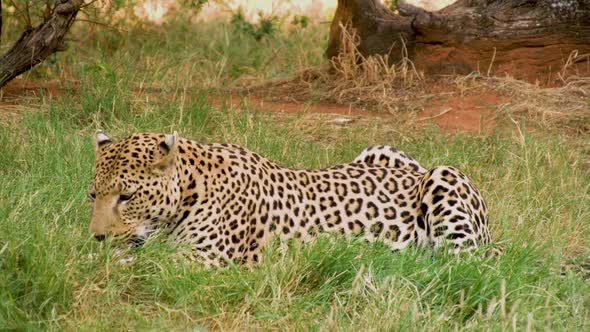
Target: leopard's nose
pixel 100 237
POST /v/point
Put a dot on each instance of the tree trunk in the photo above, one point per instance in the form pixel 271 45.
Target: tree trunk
pixel 35 45
pixel 527 39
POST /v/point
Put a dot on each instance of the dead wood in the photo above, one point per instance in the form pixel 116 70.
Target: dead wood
pixel 543 40
pixel 36 44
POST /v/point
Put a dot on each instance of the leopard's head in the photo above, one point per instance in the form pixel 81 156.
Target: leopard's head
pixel 135 187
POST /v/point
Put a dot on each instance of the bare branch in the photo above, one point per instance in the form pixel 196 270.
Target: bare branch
pixel 35 45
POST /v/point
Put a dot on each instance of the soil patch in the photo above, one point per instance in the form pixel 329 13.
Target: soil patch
pixel 293 107
pixel 19 88
pixel 476 112
pixel 452 113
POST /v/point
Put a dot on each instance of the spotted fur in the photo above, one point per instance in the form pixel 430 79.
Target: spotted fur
pixel 452 207
pixel 227 202
pixel 388 156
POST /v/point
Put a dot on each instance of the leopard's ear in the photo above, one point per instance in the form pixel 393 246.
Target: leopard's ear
pixel 101 140
pixel 168 148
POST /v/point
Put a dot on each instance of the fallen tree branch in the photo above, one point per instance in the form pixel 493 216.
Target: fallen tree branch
pixel 527 39
pixel 35 45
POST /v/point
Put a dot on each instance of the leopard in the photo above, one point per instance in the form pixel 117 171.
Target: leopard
pixel 226 203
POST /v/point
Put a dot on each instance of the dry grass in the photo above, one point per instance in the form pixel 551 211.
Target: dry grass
pixel 11 114
pixel 566 107
pixel 351 79
pixel 373 85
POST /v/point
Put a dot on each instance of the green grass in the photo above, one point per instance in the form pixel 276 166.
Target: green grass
pixel 54 276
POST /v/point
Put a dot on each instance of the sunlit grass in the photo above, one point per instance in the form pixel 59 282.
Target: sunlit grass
pixel 54 276
pixel 51 279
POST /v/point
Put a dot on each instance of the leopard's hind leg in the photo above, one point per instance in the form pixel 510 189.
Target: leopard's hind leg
pixel 451 210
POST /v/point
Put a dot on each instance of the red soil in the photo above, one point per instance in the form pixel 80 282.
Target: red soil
pixel 474 113
pixel 19 88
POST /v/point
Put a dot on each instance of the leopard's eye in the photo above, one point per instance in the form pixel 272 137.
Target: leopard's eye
pixel 91 197
pixel 124 198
